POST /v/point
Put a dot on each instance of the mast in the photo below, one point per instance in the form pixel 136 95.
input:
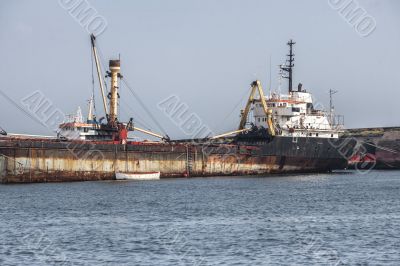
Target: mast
pixel 92 38
pixel 289 67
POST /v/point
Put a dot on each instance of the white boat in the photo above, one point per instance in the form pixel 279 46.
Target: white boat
pixel 137 176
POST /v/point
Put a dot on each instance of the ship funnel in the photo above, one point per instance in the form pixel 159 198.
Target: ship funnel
pixel 115 68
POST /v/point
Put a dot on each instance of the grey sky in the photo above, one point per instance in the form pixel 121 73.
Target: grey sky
pixel 206 52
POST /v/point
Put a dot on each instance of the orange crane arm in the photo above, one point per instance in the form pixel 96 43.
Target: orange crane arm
pixel 268 112
pixel 246 111
pixel 256 86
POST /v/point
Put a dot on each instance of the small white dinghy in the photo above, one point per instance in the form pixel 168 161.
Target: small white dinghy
pixel 137 176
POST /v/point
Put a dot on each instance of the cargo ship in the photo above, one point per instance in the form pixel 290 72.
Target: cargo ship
pixel 284 134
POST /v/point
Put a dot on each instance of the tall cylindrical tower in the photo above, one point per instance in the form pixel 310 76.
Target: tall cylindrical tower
pixel 115 68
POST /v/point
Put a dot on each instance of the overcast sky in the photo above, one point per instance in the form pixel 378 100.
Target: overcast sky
pixel 205 52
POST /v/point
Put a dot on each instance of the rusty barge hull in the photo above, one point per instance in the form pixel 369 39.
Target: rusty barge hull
pixel 28 161
pixel 381 144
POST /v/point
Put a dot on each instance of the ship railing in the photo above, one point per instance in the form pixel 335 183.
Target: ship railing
pixel 314 129
pixel 337 121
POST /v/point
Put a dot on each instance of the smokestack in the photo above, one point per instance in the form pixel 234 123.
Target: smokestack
pixel 300 87
pixel 115 68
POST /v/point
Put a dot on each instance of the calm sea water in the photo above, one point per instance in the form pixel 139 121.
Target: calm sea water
pixel 335 219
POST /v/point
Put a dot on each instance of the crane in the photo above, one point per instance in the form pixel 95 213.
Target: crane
pixel 112 113
pixel 99 73
pixel 256 87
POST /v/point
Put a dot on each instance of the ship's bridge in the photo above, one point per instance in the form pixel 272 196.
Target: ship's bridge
pixel 294 115
pixel 76 128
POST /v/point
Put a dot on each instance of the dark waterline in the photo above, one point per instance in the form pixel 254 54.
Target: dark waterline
pixel 335 219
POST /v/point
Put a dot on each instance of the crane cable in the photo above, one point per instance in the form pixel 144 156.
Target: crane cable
pixel 23 110
pixel 144 107
pixel 102 64
pixel 137 119
pixel 379 147
pixel 100 53
pixel 223 122
pixel 93 88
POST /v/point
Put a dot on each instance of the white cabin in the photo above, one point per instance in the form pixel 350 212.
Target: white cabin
pixel 76 128
pixel 294 116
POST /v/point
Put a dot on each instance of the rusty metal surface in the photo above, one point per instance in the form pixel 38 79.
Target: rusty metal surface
pixel 55 161
pixel 382 145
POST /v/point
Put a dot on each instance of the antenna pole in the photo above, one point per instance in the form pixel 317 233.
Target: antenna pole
pixel 331 107
pixel 289 67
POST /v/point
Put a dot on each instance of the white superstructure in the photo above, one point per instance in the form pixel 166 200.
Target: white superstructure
pixel 294 115
pixel 76 128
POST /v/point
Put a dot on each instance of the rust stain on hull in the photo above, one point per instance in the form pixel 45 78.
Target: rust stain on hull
pixel 28 162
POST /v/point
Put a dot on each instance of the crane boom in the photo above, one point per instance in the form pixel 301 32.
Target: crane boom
pixel 256 86
pixel 230 133
pixel 92 38
pixel 149 133
pixel 246 111
pixel 268 112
